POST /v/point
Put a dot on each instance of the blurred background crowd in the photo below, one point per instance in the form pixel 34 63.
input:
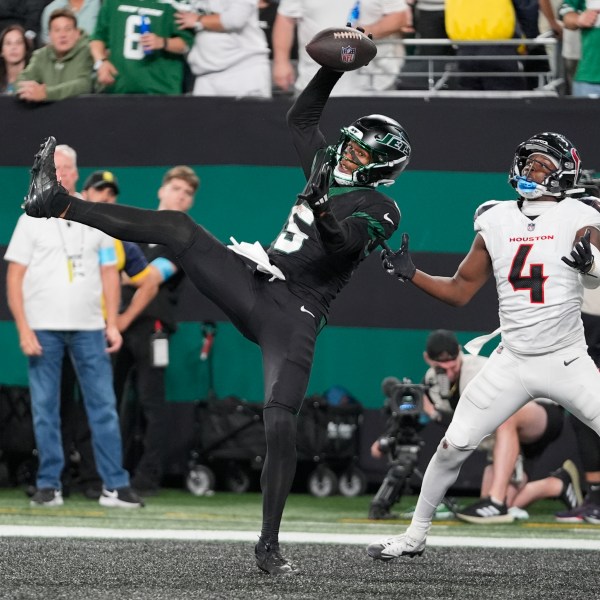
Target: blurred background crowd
pixel 50 50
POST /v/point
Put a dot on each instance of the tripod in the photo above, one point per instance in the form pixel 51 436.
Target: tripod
pixel 402 469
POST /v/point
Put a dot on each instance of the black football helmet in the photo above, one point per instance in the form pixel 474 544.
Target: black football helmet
pixel 561 182
pixel 386 141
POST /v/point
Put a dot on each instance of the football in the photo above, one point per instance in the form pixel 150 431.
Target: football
pixel 341 48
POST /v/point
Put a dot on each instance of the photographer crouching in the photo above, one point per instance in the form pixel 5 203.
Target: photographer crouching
pixel 408 408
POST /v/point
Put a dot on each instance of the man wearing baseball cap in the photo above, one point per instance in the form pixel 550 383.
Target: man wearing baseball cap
pixel 100 181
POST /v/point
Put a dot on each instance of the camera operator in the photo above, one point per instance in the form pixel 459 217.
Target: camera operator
pixel 449 372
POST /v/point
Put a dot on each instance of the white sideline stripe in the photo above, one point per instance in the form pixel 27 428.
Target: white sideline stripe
pixel 293 537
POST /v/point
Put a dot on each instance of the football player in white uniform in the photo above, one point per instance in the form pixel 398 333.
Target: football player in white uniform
pixel 542 249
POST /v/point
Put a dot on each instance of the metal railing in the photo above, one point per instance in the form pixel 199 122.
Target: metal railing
pixel 437 74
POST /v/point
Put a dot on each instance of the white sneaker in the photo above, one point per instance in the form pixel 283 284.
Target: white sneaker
pixel 393 547
pixel 519 514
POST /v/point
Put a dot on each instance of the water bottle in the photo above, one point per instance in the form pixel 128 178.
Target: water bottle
pixel 145 28
pixel 354 15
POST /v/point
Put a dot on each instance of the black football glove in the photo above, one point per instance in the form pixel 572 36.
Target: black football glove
pixel 316 197
pixel 582 257
pixel 399 263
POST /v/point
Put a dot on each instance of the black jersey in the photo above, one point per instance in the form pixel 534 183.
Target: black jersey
pixel 318 258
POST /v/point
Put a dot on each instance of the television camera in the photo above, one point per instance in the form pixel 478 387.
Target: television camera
pixel 401 443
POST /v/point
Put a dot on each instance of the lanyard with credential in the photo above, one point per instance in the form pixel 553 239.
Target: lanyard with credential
pixel 71 257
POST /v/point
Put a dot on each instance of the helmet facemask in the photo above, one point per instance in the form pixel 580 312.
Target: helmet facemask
pixel 559 182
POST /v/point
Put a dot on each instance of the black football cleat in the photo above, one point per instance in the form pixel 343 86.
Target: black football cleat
pixel 269 559
pixel 43 185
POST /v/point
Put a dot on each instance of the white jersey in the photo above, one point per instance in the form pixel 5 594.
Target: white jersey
pixel 62 288
pixel 539 295
pixel 314 15
pixel 234 62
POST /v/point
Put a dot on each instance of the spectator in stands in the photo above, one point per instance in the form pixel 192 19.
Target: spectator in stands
pixel 57 274
pixel 267 9
pixel 26 13
pixel 130 61
pixel 230 56
pixel 568 53
pixel 134 361
pixel 429 23
pixel 527 13
pixel 15 54
pixel 86 12
pixel 62 69
pixel 384 20
pixel 472 20
pixel 585 16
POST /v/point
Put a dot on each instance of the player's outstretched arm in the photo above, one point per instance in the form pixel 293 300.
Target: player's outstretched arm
pixel 472 273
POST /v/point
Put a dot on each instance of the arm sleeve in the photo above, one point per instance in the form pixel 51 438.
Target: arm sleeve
pixel 377 220
pixel 101 30
pixel 107 255
pixel 304 116
pixel 345 236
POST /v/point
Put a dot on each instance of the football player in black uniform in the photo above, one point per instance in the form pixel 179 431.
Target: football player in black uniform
pixel 279 300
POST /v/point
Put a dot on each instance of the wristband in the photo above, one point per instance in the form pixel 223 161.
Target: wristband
pixel 198 26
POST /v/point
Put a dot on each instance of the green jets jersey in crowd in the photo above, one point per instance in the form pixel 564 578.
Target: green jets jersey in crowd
pixel 118 26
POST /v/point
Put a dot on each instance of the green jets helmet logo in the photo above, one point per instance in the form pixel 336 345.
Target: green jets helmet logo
pixel 393 141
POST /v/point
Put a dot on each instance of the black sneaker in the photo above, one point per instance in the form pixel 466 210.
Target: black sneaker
pixel 123 497
pixel 47 497
pixel 571 494
pixel 591 514
pixel 43 184
pixel 485 511
pixel 574 515
pixel 269 559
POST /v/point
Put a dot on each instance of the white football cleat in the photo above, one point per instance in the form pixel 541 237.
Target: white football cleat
pixel 394 547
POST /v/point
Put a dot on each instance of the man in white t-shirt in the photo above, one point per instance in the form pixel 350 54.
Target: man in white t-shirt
pixel 57 275
pixel 381 18
pixel 230 55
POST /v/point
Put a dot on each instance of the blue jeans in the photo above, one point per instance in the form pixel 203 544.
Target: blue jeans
pixel 582 88
pixel 94 373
